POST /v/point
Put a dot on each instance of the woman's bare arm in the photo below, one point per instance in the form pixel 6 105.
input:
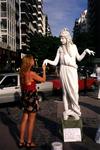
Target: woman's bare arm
pixel 38 77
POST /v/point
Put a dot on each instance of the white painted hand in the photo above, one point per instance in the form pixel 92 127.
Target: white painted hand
pixel 90 52
pixel 45 62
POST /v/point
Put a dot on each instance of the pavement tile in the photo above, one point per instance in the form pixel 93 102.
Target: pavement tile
pixel 48 123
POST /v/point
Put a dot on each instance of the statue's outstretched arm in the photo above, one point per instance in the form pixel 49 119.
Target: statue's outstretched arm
pixel 86 51
pixel 54 62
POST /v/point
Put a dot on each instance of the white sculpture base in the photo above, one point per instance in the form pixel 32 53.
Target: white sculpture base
pixel 72 130
pixel 97 138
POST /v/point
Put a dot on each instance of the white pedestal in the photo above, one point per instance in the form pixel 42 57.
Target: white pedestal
pixel 72 130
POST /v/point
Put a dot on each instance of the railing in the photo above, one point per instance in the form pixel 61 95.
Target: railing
pixel 3 45
pixel 3 13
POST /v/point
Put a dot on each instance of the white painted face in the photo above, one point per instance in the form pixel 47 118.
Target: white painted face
pixel 63 40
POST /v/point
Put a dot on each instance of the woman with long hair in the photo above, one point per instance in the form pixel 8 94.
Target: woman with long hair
pixel 29 99
pixel 67 54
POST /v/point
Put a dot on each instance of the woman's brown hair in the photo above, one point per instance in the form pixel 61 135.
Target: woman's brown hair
pixel 26 63
pixel 25 66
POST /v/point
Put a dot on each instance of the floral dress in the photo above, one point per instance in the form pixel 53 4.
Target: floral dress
pixel 29 98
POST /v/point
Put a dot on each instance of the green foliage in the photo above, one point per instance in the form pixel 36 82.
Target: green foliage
pixel 84 40
pixel 43 47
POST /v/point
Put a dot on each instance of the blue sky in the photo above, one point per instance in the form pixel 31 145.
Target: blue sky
pixel 62 13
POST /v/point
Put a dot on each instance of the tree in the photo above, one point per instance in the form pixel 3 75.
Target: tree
pixel 85 40
pixel 43 47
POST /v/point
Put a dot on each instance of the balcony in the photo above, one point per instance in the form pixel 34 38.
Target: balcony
pixel 31 7
pixel 24 14
pixel 3 13
pixel 31 27
pixel 34 22
pixel 3 45
pixel 35 8
pixel 25 45
pixel 17 1
pixel 24 5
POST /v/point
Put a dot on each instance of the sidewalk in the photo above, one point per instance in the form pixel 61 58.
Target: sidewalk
pixel 90 108
pixel 47 125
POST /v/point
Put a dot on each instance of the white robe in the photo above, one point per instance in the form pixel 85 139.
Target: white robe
pixel 69 76
pixel 98 80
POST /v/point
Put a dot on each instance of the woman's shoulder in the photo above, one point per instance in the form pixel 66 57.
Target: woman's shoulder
pixel 28 73
pixel 32 73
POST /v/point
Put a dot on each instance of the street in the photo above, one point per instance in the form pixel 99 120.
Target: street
pixel 47 129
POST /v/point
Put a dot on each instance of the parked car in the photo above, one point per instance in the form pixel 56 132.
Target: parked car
pixel 84 83
pixel 93 75
pixel 10 88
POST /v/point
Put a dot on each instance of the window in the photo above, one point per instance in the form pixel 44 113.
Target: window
pixel 3 6
pixel 10 81
pixel 4 38
pixel 3 23
pixel 1 77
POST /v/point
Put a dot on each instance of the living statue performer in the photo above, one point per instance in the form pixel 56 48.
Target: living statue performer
pixel 98 79
pixel 67 54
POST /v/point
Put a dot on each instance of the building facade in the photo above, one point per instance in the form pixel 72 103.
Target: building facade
pixel 46 26
pixel 94 24
pixel 9 33
pixel 31 18
pixel 81 24
pixel 8 18
pixel 19 20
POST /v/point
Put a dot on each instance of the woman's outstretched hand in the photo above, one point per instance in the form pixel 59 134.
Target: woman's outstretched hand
pixel 44 67
pixel 90 52
pixel 45 62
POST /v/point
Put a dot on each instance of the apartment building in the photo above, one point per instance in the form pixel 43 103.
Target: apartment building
pixel 94 24
pixel 19 20
pixel 46 26
pixel 82 21
pixel 31 17
pixel 40 16
pixel 81 24
pixel 8 15
pixel 9 32
pixel 24 24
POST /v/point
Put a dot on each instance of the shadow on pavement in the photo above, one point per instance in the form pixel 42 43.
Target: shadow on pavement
pixel 79 146
pixel 52 126
pixel 45 147
pixel 90 132
pixel 90 106
pixel 12 126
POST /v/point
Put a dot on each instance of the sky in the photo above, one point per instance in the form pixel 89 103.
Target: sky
pixel 62 13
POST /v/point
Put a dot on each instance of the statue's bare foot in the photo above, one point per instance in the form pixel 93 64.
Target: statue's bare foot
pixel 65 116
pixel 77 117
pixel 70 112
pixel 73 114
